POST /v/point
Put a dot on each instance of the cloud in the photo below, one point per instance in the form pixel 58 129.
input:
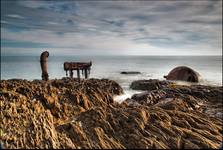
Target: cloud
pixel 15 16
pixel 107 27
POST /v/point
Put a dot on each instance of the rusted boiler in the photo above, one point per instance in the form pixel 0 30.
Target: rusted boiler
pixel 183 73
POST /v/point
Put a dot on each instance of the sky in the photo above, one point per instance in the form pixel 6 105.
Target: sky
pixel 161 27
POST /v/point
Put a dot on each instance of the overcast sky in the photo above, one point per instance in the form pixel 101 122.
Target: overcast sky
pixel 190 27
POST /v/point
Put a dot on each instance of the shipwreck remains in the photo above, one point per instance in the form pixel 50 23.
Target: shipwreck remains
pixel 183 73
pixel 85 67
pixel 43 63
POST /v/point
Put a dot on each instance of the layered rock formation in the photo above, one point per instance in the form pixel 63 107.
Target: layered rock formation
pixel 67 114
pixel 31 111
pixel 151 84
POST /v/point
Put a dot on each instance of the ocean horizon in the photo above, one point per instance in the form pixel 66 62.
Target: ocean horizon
pixel 110 67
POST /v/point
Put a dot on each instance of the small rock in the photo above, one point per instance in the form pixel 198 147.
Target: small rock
pixel 130 72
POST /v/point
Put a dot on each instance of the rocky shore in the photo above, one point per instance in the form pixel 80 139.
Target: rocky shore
pixel 67 114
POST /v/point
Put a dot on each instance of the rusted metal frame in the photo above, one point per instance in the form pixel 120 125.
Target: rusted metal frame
pixel 84 67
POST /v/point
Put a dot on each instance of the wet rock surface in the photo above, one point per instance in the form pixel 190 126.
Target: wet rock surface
pixel 151 84
pixel 67 114
pixel 206 99
pixel 130 72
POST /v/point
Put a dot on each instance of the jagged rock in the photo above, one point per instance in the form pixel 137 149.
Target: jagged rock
pixel 130 72
pixel 149 98
pixel 206 99
pixel 151 84
pixel 68 114
pixel 31 110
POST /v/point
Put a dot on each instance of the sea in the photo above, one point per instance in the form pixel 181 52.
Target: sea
pixel 110 67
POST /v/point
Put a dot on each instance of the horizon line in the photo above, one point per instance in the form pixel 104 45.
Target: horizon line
pixel 107 55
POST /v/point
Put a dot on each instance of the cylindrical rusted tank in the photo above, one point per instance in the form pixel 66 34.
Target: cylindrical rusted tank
pixel 43 62
pixel 183 73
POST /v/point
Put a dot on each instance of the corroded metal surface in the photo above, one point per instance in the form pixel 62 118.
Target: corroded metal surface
pixel 76 65
pixel 183 73
pixel 43 62
pixel 83 66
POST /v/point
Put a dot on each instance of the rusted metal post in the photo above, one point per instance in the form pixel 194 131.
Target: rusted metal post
pixel 71 73
pixel 43 63
pixel 85 73
pixel 78 74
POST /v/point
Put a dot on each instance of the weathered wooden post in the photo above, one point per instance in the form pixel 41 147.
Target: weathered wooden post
pixel 43 63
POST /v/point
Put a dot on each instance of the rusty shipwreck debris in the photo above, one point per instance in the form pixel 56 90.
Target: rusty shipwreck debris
pixel 183 73
pixel 85 67
pixel 43 62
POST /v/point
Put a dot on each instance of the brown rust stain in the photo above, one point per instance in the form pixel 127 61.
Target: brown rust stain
pixel 44 67
pixel 183 73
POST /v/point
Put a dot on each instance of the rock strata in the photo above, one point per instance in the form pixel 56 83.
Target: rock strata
pixel 67 114
pixel 206 99
pixel 151 84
